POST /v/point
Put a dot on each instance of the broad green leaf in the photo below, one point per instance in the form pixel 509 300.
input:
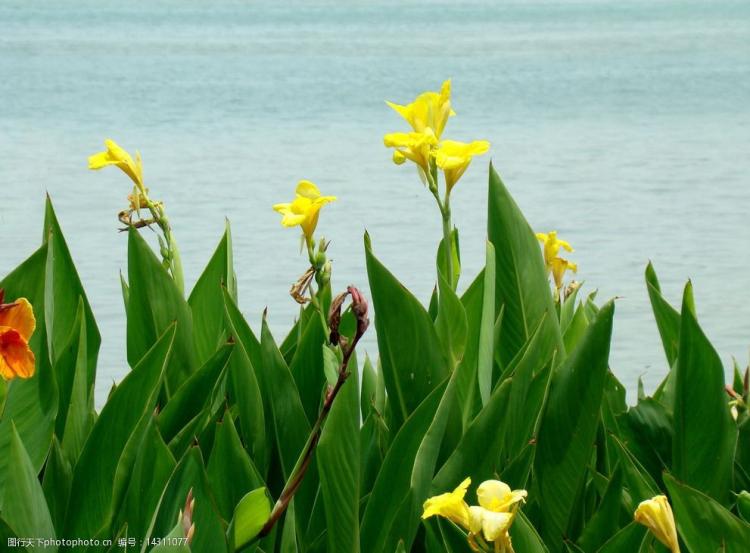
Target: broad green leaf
pixel 338 457
pixel 80 400
pixel 30 404
pixel 568 428
pixel 442 262
pixel 704 432
pixel 703 523
pixel 525 537
pixel 207 297
pixel 290 427
pixel 63 291
pixel 154 305
pixel 194 396
pixel 250 516
pixel 189 474
pixel 25 509
pixel 467 386
pixel 307 366
pixel 402 486
pixel 174 542
pixel 639 484
pixel 647 431
pixel 521 283
pixel 451 324
pixel 230 471
pixel 369 385
pixel 150 472
pixel 411 358
pixel 628 539
pixel 667 317
pixel 478 452
pixel 243 387
pixel 605 521
pixel 58 478
pixel 93 477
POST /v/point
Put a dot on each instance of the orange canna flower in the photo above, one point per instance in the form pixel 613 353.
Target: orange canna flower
pixel 17 324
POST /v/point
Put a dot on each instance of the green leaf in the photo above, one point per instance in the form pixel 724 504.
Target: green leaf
pixel 63 291
pixel 402 486
pixel 209 329
pixel 79 400
pixel 149 475
pixel 231 473
pixel 478 452
pixel 194 397
pixel 30 404
pixel 568 428
pixel 154 305
pixel 667 317
pixel 411 357
pixel 521 283
pixel 338 465
pixel 605 521
pixel 486 354
pixel 174 542
pixel 90 506
pixel 190 474
pixel 704 432
pixel 442 263
pixel 243 387
pixel 629 538
pixel 58 478
pixel 25 506
pixel 525 537
pixel 251 514
pixel 307 366
pixel 703 523
pixel 451 324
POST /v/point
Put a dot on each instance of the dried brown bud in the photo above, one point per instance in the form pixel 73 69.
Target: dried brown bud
pixel 359 308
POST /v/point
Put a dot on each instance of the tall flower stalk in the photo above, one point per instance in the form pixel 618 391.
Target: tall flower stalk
pixel 428 115
pixel 138 200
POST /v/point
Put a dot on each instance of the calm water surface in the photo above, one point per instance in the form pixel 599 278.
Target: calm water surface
pixel 623 125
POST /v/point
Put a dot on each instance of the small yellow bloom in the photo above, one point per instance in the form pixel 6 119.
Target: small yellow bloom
pixel 450 505
pixel 497 496
pixel 115 155
pixel 656 515
pixel 17 324
pixel 556 265
pixel 494 515
pixel 304 209
pixel 430 110
pixel 454 157
pixel 414 146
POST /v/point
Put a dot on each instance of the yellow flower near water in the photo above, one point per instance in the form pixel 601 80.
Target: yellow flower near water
pixel 304 209
pixel 116 155
pixel 454 157
pixel 17 324
pixel 555 264
pixel 492 518
pixel 414 146
pixel 656 515
pixel 430 110
pixel 450 505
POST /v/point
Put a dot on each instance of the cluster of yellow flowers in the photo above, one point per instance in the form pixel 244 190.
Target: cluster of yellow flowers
pixel 555 264
pixel 428 115
pixel 489 521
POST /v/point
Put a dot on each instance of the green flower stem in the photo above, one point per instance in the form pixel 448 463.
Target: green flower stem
pixel 445 211
pixel 173 260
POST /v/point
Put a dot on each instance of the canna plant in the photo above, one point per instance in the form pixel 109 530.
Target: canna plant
pixel 223 439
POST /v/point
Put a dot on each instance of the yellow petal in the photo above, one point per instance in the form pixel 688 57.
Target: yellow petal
pixel 495 525
pixel 497 496
pixel 307 189
pixel 656 515
pixel 450 505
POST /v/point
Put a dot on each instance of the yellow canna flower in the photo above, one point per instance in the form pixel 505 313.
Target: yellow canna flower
pixel 656 515
pixel 552 245
pixel 450 505
pixel 556 265
pixel 115 155
pixel 414 146
pixel 17 324
pixel 497 496
pixel 454 157
pixel 494 515
pixel 304 209
pixel 430 110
